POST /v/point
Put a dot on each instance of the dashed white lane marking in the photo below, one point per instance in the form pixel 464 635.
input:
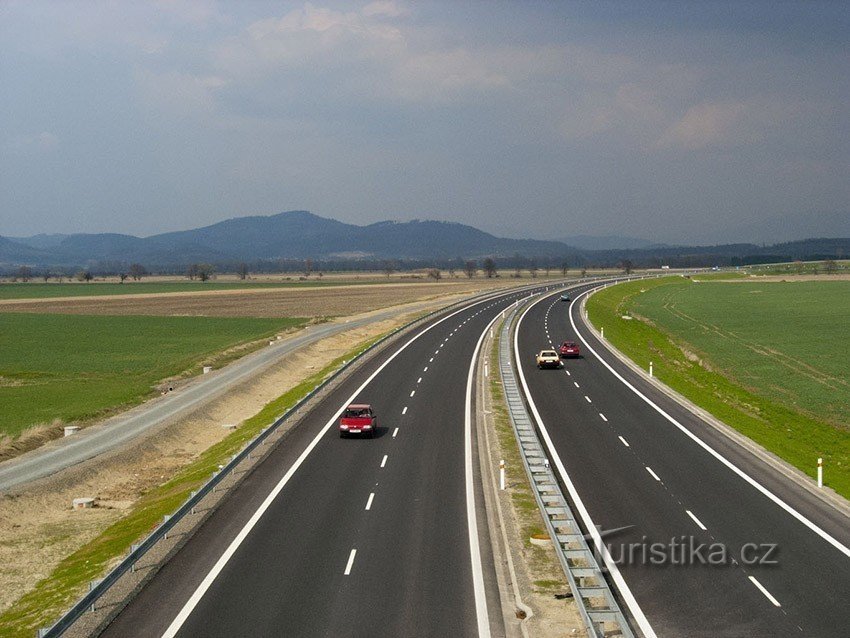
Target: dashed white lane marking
pixel 412 392
pixel 602 416
pixel 766 593
pixel 425 369
pixel 419 380
pixel 369 502
pixel 431 360
pixel 403 412
pixel 568 373
pixel 696 520
pixel 626 443
pixel 350 562
pixel 575 383
pixel 384 461
pixel 395 432
pixel 654 475
pixel 441 345
pixel 437 351
pixel 588 399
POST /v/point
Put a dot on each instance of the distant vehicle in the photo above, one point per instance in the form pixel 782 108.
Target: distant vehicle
pixel 548 359
pixel 565 298
pixel 358 418
pixel 569 349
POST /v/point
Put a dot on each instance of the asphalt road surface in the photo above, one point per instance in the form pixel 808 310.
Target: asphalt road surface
pixel 357 536
pixel 632 467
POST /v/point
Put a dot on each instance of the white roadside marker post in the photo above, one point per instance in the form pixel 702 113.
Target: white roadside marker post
pixel 602 333
pixel 502 474
pixel 650 369
pixel 820 472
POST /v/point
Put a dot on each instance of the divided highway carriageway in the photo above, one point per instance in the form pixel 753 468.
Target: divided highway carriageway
pixel 668 488
pixel 357 536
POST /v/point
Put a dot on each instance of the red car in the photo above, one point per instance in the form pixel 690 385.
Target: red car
pixel 358 418
pixel 569 349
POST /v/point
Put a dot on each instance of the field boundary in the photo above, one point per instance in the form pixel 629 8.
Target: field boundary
pixel 826 494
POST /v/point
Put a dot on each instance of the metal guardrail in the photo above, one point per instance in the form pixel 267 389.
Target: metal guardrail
pixel 596 602
pixel 99 587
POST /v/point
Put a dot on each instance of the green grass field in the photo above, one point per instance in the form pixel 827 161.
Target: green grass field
pixel 38 290
pixel 77 367
pixel 769 359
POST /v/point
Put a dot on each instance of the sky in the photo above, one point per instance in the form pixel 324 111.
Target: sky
pixel 678 122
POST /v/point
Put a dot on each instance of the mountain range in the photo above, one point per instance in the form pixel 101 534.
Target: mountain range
pixel 300 235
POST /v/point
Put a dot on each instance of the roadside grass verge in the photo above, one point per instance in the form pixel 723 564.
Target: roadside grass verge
pixel 50 597
pixel 543 566
pixel 728 350
pixel 74 368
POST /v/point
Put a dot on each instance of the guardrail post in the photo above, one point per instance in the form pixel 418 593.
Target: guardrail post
pixel 820 472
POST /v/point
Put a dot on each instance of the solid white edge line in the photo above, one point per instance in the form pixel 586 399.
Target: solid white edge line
pixel 350 562
pixel 696 520
pixel 758 486
pixel 369 502
pixel 766 593
pixel 208 580
pixel 653 474
pixel 590 526
pixel 626 443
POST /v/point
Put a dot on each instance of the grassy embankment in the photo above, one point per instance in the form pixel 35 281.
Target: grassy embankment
pixel 79 367
pixel 768 359
pixel 51 596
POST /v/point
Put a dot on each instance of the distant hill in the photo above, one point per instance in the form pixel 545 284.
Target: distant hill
pixel 607 242
pixel 267 242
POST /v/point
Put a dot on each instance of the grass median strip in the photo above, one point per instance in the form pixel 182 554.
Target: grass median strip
pixel 51 596
pixel 768 359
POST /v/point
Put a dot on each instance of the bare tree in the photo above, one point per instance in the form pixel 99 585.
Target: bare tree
pixel 565 268
pixel 548 269
pixel 137 271
pixel 205 271
pixel 84 275
pixel 627 266
pixel 389 267
pixel 25 273
pixel 452 272
pixel 121 277
pixel 532 269
pixel 517 272
pixel 45 275
pixel 435 274
pixel 308 267
pixel 583 272
pixel 242 271
pixel 192 271
pixel 470 268
pixel 829 266
pixel 489 267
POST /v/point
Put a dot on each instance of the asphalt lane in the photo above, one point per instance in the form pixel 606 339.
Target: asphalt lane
pixel 633 468
pixel 368 537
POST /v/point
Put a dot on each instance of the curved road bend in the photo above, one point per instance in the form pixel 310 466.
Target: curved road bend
pixel 118 431
pixel 632 467
pixel 352 537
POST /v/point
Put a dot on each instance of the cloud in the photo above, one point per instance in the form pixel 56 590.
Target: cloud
pixel 384 8
pixel 703 125
pixel 43 142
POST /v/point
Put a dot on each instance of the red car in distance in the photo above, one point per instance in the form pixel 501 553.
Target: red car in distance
pixel 569 349
pixel 358 418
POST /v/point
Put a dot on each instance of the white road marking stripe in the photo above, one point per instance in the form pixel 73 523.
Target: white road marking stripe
pixel 705 446
pixel 602 416
pixel 568 373
pixel 350 562
pixel 766 593
pixel 419 380
pixel 588 399
pixel 696 520
pixel 369 502
pixel 384 460
pixel 403 412
pixel 575 383
pixel 613 570
pixel 412 392
pixel 395 432
pixel 626 443
pixel 208 580
pixel 425 369
pixel 654 475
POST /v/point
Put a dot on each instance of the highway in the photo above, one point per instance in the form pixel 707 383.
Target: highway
pixel 355 537
pixel 647 464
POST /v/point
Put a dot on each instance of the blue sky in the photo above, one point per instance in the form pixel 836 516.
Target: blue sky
pixel 688 122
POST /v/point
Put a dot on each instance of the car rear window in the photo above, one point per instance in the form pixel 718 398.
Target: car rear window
pixel 355 414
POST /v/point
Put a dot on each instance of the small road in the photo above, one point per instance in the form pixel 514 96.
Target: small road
pixel 356 536
pixel 120 430
pixel 648 466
